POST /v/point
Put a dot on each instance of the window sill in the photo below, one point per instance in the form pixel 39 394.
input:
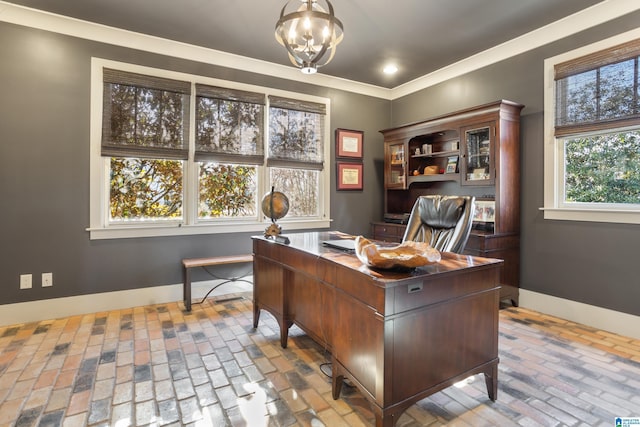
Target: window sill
pixel 127 232
pixel 593 215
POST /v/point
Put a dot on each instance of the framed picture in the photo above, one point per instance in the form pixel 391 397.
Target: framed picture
pixel 349 176
pixel 485 211
pixel 349 143
pixel 452 165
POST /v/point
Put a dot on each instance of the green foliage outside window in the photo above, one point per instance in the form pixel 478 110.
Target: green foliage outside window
pixel 145 136
pixel 603 168
pixel 227 191
pixel 145 189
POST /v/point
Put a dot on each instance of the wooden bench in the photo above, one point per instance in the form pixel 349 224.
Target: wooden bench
pixel 189 263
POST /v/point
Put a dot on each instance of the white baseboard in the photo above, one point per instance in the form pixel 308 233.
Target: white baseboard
pixel 35 311
pixel 589 315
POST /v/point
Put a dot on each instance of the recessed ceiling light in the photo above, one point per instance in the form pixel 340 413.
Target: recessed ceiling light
pixel 390 69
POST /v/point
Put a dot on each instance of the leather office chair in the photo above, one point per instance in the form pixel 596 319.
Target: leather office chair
pixel 442 221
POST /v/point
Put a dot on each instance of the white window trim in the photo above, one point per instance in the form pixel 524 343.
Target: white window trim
pixel 100 228
pixel 554 208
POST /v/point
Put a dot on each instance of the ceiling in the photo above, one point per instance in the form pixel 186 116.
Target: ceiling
pixel 420 36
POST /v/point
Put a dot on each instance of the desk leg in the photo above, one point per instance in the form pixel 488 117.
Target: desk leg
pixel 385 421
pixel 336 379
pixel 384 418
pixel 284 325
pixel 256 313
pixel 491 380
pixel 284 337
pixel 186 288
pixel 284 330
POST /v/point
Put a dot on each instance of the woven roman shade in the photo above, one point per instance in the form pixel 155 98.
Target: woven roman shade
pixel 296 133
pixel 297 105
pixel 229 125
pixel 144 116
pixel 598 91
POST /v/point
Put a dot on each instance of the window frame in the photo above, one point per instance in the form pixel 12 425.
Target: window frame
pixel 101 228
pixel 554 207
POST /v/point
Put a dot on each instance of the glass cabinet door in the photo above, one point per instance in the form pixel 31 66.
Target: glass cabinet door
pixel 477 154
pixel 395 165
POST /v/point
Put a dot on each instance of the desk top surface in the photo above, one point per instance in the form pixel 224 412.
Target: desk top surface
pixel 311 243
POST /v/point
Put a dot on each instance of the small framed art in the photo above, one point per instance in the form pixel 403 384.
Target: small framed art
pixel 349 143
pixel 349 176
pixel 452 165
pixel 484 217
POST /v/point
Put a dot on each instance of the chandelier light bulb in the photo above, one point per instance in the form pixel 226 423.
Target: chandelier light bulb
pixel 308 32
pixel 292 33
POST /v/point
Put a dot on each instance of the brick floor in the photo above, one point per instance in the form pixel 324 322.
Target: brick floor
pixel 158 365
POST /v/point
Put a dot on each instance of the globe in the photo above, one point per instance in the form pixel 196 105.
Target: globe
pixel 275 205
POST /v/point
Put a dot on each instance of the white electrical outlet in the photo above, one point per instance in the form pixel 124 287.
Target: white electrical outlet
pixel 47 279
pixel 25 281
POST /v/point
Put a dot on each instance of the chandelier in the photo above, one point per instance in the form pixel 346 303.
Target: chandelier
pixel 309 33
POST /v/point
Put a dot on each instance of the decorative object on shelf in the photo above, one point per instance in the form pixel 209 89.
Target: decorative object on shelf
pixel 488 142
pixel 397 155
pixel 349 143
pixel 275 205
pixel 485 211
pixel 427 149
pixel 349 176
pixel 431 170
pixel 406 256
pixel 452 164
pixel 478 174
pixel 309 32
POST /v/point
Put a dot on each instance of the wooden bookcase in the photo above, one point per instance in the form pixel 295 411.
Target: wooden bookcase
pixel 470 152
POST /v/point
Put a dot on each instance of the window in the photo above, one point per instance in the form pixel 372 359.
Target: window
pixel 592 126
pixel 180 154
pixel 228 151
pixel 295 152
pixel 144 138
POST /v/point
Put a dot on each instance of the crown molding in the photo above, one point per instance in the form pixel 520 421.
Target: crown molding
pixel 572 24
pixel 579 21
pixel 60 24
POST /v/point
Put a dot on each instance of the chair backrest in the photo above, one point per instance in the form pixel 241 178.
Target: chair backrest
pixel 442 221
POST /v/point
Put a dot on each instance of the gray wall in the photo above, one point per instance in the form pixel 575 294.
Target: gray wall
pixel 593 263
pixel 44 171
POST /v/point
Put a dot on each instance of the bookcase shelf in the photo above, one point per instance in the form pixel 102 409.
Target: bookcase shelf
pixel 482 145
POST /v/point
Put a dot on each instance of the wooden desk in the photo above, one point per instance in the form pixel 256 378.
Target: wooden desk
pixel 398 336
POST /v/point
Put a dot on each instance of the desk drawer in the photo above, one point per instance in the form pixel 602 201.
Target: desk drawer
pixel 448 287
pixel 491 242
pixel 388 232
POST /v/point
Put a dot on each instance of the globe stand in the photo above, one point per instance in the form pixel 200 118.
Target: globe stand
pixel 275 209
pixel 273 232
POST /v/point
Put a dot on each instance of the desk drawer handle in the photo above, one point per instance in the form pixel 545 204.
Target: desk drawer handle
pixel 414 288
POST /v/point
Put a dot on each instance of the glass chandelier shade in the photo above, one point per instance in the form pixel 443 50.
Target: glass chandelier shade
pixel 310 33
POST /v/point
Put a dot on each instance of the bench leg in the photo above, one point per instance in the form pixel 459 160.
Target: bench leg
pixel 186 288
